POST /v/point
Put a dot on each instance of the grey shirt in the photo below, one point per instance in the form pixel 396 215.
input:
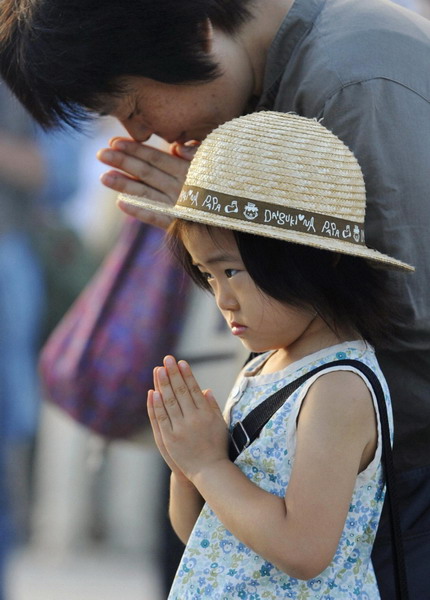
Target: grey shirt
pixel 363 67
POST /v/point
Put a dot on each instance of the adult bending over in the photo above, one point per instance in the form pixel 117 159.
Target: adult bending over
pixel 178 69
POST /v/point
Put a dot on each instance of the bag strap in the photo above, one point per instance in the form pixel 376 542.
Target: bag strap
pixel 246 431
pixel 392 500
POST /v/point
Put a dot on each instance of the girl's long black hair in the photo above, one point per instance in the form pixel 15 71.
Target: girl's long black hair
pixel 345 291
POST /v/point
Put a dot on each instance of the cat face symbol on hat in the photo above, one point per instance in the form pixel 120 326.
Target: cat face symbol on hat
pixel 250 211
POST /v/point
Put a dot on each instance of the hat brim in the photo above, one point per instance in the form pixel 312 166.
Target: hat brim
pixel 297 237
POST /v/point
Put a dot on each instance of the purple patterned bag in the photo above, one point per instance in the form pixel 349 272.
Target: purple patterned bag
pixel 97 364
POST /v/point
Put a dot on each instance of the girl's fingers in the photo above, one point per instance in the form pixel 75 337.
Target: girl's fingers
pixel 178 391
pixel 171 396
pixel 191 383
pixel 187 397
pixel 157 412
pixel 155 376
pixel 153 409
pixel 153 419
pixel 210 398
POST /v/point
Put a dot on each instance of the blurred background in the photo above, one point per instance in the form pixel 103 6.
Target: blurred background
pixel 79 517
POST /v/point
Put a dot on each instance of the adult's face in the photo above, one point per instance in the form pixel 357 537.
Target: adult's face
pixel 179 113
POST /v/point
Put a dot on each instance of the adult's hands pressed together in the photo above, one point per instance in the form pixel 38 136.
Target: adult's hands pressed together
pixel 142 170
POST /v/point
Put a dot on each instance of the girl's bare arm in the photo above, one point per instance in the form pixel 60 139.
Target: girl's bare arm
pixel 336 437
pixel 184 506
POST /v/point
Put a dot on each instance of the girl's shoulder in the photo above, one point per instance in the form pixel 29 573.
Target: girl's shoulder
pixel 252 387
pixel 342 391
pixel 341 400
pixel 354 350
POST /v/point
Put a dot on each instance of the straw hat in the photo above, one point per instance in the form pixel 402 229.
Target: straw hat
pixel 277 175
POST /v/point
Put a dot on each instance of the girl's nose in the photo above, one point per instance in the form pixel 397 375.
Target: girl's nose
pixel 225 298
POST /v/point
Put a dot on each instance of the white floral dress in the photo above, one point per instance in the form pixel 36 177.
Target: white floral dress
pixel 217 565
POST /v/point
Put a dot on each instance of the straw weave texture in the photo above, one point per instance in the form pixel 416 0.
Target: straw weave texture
pixel 285 164
pixel 282 157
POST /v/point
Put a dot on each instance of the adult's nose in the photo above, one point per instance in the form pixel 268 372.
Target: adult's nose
pixel 137 131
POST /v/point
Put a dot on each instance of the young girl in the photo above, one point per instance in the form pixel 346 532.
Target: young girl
pixel 271 221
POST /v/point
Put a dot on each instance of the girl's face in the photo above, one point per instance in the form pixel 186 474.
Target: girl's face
pixel 258 320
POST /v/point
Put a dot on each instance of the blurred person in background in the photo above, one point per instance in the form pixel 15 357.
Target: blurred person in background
pixel 61 225
pixel 178 69
pixel 22 174
pixel 44 264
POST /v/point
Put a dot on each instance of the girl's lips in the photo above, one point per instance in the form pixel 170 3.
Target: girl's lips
pixel 237 328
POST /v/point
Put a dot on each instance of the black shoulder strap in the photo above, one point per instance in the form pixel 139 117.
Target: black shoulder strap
pixel 246 431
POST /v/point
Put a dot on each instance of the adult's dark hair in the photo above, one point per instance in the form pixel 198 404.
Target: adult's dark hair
pixel 345 291
pixel 60 56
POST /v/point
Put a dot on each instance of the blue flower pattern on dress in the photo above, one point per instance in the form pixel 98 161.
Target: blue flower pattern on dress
pixel 216 565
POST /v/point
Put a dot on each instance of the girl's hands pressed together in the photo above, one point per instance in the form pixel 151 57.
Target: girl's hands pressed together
pixel 188 426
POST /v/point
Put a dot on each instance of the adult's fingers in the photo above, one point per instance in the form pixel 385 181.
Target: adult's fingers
pixel 144 171
pixel 157 169
pixel 155 185
pixel 145 216
pixel 173 163
pixel 185 151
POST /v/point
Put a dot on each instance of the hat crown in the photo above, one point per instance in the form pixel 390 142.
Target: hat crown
pixel 278 175
pixel 283 159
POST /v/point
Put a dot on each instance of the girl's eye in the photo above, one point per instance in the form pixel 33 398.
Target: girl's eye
pixel 230 272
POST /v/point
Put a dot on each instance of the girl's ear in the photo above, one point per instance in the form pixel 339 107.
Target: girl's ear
pixel 207 35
